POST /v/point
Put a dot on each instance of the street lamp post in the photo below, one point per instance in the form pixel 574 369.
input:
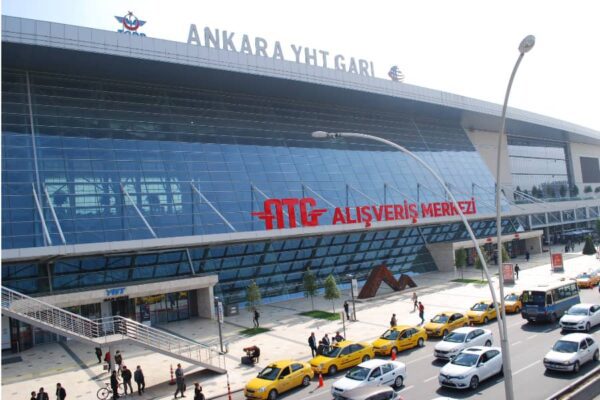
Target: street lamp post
pixel 500 321
pixel 526 44
pixel 352 294
pixel 219 309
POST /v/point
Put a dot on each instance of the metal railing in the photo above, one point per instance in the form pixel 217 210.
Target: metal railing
pixel 110 329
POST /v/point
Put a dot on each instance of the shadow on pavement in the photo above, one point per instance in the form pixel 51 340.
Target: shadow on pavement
pixel 568 375
pixel 467 393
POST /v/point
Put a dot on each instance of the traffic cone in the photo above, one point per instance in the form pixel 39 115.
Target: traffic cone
pixel 393 354
pixel 172 381
pixel 321 383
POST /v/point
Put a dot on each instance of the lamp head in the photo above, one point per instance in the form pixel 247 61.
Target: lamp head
pixel 320 134
pixel 527 44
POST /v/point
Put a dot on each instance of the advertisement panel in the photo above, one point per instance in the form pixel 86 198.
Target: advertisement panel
pixel 557 262
pixel 508 272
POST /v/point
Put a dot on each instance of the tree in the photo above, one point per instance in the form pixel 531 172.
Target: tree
pixel 478 263
pixel 309 282
pixel 460 260
pixel 534 191
pixel 598 226
pixel 332 291
pixel 587 189
pixel 588 248
pixel 574 191
pixel 253 296
pixel 563 190
pixel 549 191
pixel 505 255
pixel 597 190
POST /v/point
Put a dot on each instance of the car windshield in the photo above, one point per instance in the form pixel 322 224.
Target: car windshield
pixel 479 307
pixel 511 297
pixel 534 297
pixel 440 319
pixel 358 373
pixel 465 359
pixel 577 311
pixel 564 346
pixel 270 373
pixel 390 335
pixel 454 337
pixel 583 276
pixel 332 352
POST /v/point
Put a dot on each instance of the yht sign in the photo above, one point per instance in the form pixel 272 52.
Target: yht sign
pixel 292 212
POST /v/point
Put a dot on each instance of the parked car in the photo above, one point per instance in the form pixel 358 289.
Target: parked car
pixel 445 322
pixel 278 377
pixel 512 303
pixel 587 280
pixel 482 312
pixel 470 367
pixel 571 351
pixel 342 355
pixel 400 337
pixel 375 372
pixel 371 393
pixel 460 339
pixel 581 317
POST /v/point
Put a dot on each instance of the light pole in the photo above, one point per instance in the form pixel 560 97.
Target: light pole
pixel 500 321
pixel 352 294
pixel 526 44
pixel 219 309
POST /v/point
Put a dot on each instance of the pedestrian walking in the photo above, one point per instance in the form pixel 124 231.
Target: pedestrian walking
pixel 422 313
pixel 33 396
pixel 119 360
pixel 138 377
pixel 393 321
pixel 126 375
pixel 198 395
pixel 527 255
pixel 42 395
pixel 180 381
pixel 347 309
pixel 312 343
pixel 107 360
pixel 255 319
pixel 415 300
pixel 114 384
pixel 517 269
pixel 98 352
pixel 61 393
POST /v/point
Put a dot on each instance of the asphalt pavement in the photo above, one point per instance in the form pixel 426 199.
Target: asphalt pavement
pixel 528 344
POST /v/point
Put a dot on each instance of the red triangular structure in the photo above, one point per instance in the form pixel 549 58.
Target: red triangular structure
pixel 382 274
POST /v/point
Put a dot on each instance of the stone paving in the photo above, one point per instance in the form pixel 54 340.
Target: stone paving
pixel 75 365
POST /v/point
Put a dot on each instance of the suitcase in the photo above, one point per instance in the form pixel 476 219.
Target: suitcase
pixel 247 360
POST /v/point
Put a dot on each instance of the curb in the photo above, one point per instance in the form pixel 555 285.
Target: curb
pixel 224 394
pixel 567 389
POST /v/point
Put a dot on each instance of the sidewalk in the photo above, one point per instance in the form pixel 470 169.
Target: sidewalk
pixel 75 365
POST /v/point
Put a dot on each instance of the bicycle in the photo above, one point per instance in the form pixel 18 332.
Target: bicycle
pixel 106 392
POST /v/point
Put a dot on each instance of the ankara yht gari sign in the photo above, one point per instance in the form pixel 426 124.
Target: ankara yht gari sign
pixel 294 212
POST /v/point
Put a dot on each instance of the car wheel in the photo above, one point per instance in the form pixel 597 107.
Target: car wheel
pixel 273 394
pixel 474 382
pixel 366 358
pixel 445 332
pixel 421 342
pixel 588 327
pixel 576 367
pixel 306 381
pixel 488 343
pixel 501 372
pixel 398 382
pixel 596 355
pixel 486 320
pixel 332 370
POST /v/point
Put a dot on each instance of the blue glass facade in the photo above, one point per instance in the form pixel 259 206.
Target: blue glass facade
pixel 89 143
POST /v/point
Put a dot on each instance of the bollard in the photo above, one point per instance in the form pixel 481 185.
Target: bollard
pixel 172 381
pixel 394 354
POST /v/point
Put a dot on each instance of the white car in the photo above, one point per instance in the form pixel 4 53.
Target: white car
pixel 470 367
pixel 374 372
pixel 581 317
pixel 572 351
pixel 462 338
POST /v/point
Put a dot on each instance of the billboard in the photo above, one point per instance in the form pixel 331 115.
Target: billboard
pixel 508 272
pixel 557 262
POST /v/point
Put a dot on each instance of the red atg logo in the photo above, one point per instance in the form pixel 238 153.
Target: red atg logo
pixel 279 211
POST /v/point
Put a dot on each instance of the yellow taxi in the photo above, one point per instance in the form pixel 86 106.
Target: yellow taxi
pixel 445 322
pixel 278 377
pixel 587 279
pixel 512 303
pixel 342 355
pixel 482 312
pixel 399 337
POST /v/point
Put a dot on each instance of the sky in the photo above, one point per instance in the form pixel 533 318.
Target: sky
pixel 465 47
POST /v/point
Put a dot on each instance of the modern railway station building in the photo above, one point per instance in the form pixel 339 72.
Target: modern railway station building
pixel 143 177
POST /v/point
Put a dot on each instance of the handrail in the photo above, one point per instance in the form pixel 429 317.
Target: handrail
pixel 103 328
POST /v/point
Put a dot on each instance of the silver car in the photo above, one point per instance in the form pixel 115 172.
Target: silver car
pixel 371 393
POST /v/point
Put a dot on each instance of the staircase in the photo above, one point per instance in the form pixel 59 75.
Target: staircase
pixel 109 330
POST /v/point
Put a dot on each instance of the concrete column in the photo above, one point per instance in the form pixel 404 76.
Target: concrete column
pixel 206 308
pixel 534 245
pixel 112 351
pixel 443 255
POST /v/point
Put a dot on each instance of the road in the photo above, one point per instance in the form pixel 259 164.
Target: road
pixel 529 343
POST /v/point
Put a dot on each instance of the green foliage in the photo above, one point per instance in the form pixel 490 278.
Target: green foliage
pixel 478 263
pixel 588 248
pixel 332 291
pixel 574 191
pixel 253 296
pixel 321 315
pixel 598 226
pixel 563 190
pixel 460 260
pixel 597 190
pixel 254 331
pixel 505 255
pixel 587 189
pixel 309 283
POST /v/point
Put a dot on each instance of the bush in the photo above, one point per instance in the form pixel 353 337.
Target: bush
pixel 332 291
pixel 587 189
pixel 589 248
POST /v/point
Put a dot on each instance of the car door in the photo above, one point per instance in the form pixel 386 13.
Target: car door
pixel 297 374
pixel 492 311
pixel 375 377
pixel 475 338
pixel 592 347
pixel 595 315
pixel 284 381
pixel 404 339
pixel 495 361
pixel 344 358
pixel 584 352
pixel 456 321
pixel 356 353
pixel 388 373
